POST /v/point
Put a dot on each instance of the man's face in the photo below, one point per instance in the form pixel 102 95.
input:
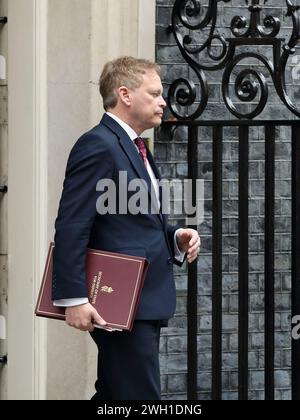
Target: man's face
pixel 147 103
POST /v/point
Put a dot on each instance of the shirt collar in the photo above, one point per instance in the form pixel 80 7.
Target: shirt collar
pixel 131 133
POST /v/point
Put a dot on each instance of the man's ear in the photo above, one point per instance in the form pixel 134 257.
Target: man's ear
pixel 124 95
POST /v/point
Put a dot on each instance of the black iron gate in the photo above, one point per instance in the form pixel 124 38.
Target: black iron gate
pixel 187 101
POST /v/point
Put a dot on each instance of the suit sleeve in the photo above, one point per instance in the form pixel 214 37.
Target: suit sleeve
pixel 89 161
pixel 171 232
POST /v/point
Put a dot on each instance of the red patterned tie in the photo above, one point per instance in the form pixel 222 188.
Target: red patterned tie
pixel 142 149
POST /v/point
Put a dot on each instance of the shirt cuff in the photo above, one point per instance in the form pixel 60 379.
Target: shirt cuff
pixel 70 302
pixel 178 255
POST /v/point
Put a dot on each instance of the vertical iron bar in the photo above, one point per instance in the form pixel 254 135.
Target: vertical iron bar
pixel 217 265
pixel 269 260
pixel 295 256
pixel 192 275
pixel 243 261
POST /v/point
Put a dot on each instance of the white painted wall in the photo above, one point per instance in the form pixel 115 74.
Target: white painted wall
pixel 27 210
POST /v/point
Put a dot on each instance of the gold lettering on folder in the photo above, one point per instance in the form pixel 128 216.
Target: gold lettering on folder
pixel 95 287
pixel 107 289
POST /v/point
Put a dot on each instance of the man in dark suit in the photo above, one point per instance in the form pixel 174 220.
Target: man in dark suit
pixel 128 362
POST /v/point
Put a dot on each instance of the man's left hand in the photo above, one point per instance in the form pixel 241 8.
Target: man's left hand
pixel 188 241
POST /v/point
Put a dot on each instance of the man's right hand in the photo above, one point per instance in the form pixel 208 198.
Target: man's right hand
pixel 83 317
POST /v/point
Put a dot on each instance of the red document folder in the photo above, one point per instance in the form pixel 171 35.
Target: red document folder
pixel 115 283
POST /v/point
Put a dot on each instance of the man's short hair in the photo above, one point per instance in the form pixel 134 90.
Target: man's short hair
pixel 123 71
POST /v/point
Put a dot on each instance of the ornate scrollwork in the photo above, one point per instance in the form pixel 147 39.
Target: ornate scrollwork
pixel 272 23
pixel 288 50
pixel 238 23
pixel 195 31
pixel 246 89
pixel 182 93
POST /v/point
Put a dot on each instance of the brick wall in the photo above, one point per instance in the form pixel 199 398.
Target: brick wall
pixel 172 157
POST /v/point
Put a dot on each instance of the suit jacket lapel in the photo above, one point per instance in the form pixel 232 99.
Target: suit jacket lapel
pixel 131 152
pixel 153 164
pixel 158 177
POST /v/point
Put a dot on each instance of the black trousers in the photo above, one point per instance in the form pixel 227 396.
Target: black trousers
pixel 128 363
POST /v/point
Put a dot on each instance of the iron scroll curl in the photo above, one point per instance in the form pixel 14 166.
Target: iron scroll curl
pixel 194 27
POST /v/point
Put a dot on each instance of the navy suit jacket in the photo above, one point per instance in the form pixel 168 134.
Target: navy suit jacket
pixel 99 154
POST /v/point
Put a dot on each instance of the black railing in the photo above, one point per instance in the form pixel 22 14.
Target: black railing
pixel 192 273
pixel 217 264
pixel 205 49
pixel 243 255
pixel 269 259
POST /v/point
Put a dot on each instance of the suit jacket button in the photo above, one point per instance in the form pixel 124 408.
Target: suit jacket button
pixel 170 260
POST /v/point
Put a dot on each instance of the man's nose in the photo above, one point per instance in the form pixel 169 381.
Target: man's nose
pixel 163 102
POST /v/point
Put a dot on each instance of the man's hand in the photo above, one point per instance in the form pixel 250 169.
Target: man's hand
pixel 189 241
pixel 83 317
